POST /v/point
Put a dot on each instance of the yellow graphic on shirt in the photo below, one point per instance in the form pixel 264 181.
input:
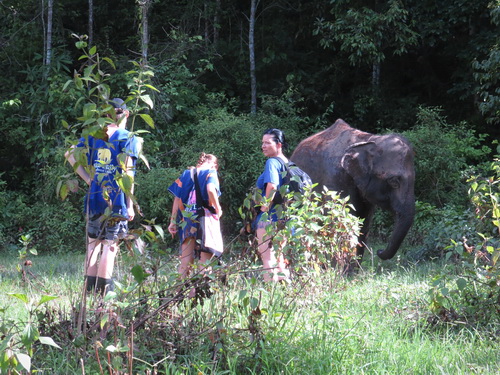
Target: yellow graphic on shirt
pixel 103 162
pixel 104 155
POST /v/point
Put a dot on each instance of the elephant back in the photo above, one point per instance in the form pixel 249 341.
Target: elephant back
pixel 320 155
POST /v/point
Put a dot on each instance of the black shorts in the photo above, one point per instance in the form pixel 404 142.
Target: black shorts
pixel 106 228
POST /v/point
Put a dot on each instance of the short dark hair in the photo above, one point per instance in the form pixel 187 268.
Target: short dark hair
pixel 118 103
pixel 278 136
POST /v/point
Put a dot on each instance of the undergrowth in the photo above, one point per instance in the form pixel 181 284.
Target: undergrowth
pixel 375 321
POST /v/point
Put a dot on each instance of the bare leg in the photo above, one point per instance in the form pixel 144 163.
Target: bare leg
pixel 107 261
pixel 93 250
pixel 272 265
pixel 205 259
pixel 187 257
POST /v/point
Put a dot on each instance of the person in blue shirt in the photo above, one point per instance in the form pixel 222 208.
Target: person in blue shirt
pixel 268 183
pixel 184 207
pixel 101 163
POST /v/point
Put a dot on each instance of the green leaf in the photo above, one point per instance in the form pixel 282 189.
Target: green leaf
pixel 104 319
pixel 147 119
pixel 126 182
pixel 147 99
pixel 139 274
pixel 93 50
pixel 110 62
pixel 5 343
pixel 152 88
pixel 24 360
pixel 242 294
pixel 63 191
pixel 461 283
pixel 29 335
pixel 254 303
pixel 22 297
pixel 45 299
pixel 160 231
pixel 48 341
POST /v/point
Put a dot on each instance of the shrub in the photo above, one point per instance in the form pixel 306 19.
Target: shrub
pixel 14 215
pixel 318 230
pixel 475 293
pixel 151 193
pixel 434 227
pixel 443 152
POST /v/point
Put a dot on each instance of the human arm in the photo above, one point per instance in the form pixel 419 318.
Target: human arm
pixel 129 170
pixel 213 198
pixel 269 195
pixel 269 182
pixel 80 170
pixel 172 227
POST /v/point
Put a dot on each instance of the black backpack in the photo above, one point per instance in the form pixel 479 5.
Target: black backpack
pixel 295 178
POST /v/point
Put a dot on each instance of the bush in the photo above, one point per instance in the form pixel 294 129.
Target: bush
pixel 152 194
pixel 443 154
pixel 321 231
pixel 13 215
pixel 475 293
pixel 434 227
pixel 317 230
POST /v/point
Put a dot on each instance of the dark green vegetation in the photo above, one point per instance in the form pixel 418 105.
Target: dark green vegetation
pixel 427 69
pixel 379 321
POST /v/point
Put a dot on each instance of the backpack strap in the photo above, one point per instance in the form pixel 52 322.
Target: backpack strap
pixel 200 202
pixel 278 199
pixel 283 164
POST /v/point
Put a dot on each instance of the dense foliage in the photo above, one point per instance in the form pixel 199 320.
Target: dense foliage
pixel 373 64
pixel 426 69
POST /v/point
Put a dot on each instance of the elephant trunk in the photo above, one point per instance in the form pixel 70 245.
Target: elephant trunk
pixel 402 224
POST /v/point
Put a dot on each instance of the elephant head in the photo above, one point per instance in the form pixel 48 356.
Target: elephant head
pixel 382 171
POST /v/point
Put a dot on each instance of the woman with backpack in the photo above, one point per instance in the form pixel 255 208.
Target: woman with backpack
pixel 269 183
pixel 188 209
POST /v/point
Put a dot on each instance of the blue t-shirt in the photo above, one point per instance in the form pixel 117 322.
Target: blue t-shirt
pixel 184 185
pixel 105 157
pixel 183 188
pixel 272 174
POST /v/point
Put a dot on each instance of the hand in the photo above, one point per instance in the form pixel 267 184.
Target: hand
pixel 172 228
pixel 131 213
pixel 264 207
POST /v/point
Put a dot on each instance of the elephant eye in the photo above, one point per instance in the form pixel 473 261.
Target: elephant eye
pixel 394 182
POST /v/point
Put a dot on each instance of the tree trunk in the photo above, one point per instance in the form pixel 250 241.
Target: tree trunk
pixel 207 25
pixel 48 44
pixel 91 23
pixel 216 22
pixel 251 47
pixel 44 29
pixel 144 4
pixel 375 77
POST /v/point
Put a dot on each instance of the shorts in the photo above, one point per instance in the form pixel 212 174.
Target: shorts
pixel 102 228
pixel 259 223
pixel 272 219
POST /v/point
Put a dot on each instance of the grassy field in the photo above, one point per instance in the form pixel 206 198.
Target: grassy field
pixel 375 322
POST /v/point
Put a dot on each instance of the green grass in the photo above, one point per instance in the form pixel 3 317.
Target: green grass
pixel 376 322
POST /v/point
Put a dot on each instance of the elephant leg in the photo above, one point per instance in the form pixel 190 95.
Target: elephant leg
pixel 365 212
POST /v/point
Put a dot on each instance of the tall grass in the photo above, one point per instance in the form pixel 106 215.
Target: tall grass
pixel 375 322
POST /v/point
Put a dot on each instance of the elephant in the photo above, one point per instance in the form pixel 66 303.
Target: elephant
pixel 373 170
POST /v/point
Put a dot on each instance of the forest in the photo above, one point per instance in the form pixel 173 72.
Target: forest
pixel 211 76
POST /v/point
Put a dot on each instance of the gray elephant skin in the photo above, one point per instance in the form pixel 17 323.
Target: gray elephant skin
pixel 374 170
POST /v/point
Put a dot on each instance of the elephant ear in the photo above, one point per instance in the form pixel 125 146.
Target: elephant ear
pixel 358 161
